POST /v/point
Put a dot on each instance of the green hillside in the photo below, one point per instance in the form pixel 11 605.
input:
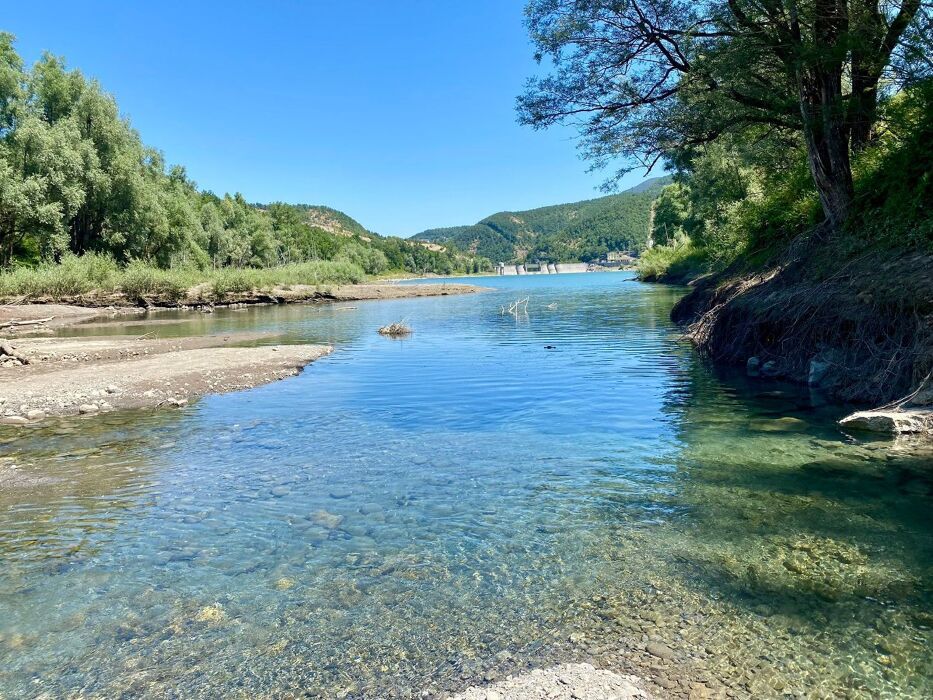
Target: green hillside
pixel 580 231
pixel 76 179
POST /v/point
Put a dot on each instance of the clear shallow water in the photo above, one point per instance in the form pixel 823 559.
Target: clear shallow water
pixel 415 515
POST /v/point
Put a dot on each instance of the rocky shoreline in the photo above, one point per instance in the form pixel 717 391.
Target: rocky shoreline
pixel 859 335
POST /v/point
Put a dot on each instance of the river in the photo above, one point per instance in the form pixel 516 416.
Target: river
pixel 493 493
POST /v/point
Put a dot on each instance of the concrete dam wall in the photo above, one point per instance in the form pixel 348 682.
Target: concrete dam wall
pixel 545 269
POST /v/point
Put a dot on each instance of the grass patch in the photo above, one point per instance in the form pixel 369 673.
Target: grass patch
pixel 75 276
pixel 677 262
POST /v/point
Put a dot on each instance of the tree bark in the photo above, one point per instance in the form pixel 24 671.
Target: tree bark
pixel 825 117
pixel 827 139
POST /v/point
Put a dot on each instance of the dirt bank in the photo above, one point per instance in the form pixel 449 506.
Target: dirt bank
pixel 858 327
pixel 69 376
pixel 567 682
pixel 13 311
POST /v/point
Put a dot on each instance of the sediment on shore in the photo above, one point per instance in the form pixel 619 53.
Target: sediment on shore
pixel 204 296
pixel 89 376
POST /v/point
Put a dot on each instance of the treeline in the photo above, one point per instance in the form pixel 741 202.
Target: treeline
pixel 76 178
pixel 748 195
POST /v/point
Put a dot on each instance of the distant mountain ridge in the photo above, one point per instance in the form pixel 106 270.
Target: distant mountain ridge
pixel 578 231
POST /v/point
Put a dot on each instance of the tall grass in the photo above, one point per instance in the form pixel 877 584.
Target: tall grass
pixel 671 262
pixel 99 274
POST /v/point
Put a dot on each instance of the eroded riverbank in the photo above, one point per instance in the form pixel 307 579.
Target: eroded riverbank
pixel 62 310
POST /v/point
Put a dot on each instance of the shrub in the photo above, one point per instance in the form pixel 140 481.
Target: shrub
pixel 675 262
pixel 140 280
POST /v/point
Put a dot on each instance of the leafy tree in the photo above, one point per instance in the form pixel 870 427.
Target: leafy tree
pixel 646 77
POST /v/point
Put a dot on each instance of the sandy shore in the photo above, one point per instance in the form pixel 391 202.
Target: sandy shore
pixel 567 682
pixel 69 376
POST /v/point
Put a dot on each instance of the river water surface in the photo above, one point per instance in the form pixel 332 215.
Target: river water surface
pixel 493 493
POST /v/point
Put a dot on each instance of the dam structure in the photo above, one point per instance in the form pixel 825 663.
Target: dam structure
pixel 541 268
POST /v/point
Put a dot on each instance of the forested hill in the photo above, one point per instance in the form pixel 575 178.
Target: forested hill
pixel 77 179
pixel 584 230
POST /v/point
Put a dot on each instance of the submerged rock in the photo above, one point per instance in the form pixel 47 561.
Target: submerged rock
pixel 662 651
pixel 770 369
pixel 567 682
pixel 326 519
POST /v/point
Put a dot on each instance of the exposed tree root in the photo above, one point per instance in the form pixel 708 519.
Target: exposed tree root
pixel 868 321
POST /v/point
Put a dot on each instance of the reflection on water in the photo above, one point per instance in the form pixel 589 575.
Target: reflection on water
pixel 415 515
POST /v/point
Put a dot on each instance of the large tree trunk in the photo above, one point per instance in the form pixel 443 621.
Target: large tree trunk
pixel 825 118
pixel 827 137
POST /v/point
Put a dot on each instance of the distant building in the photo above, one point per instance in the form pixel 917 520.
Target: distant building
pixel 620 257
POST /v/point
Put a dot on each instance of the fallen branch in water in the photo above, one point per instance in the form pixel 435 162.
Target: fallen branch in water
pixel 31 322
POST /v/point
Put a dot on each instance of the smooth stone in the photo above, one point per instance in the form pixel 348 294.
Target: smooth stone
pixel 662 651
pixel 341 493
pixel 13 420
pixel 87 408
pixel 770 369
pixel 35 414
pixel 326 519
pixel 918 420
pixel 280 491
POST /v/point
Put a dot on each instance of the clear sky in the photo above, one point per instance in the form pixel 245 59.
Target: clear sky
pixel 401 113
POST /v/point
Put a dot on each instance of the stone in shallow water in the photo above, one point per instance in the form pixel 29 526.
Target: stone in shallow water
pixel 211 614
pixel 326 519
pixel 662 651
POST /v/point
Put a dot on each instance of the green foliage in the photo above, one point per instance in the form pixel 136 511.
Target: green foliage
pixel 75 178
pixel 894 186
pixel 724 217
pixel 677 261
pixel 140 280
pixel 73 276
pixel 562 233
pixel 97 273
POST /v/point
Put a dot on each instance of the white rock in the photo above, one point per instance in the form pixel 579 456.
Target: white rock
pixel 86 408
pixel 13 420
pixel 917 420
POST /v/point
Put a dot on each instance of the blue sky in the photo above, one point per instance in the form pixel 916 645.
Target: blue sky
pixel 401 114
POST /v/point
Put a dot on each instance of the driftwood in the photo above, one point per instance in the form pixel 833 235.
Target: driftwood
pixel 8 352
pixel 31 322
